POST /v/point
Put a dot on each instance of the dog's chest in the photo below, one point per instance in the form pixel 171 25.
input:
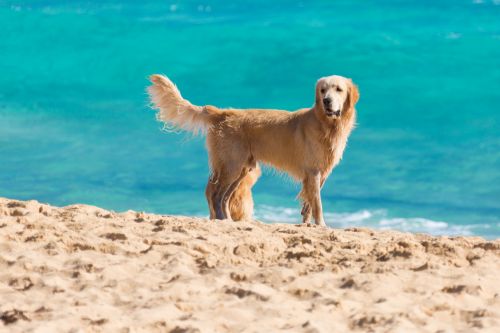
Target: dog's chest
pixel 332 145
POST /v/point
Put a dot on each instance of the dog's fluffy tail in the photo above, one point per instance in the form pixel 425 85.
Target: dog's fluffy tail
pixel 175 111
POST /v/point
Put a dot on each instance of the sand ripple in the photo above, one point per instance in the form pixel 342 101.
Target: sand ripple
pixel 85 268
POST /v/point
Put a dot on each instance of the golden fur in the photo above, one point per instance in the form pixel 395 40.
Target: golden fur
pixel 306 144
pixel 241 202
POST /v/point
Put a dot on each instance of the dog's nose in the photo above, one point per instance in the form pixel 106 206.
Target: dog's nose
pixel 327 100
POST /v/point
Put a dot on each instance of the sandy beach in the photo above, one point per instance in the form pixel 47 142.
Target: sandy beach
pixel 82 268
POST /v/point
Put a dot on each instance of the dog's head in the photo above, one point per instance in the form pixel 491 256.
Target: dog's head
pixel 335 96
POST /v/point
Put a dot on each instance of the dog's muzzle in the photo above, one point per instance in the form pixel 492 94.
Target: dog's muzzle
pixel 327 104
pixel 331 113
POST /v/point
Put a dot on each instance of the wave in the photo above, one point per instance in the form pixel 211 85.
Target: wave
pixel 377 219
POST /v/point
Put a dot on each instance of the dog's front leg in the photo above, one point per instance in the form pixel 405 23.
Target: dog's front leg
pixel 312 191
pixel 306 207
pixel 306 213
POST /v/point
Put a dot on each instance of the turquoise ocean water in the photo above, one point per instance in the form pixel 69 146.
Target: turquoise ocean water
pixel 75 126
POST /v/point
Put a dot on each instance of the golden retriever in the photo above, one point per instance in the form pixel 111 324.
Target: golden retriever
pixel 306 144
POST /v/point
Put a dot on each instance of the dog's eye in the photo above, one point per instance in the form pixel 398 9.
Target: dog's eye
pixel 339 89
pixel 323 90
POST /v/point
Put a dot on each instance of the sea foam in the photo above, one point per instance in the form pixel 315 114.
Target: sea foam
pixel 377 219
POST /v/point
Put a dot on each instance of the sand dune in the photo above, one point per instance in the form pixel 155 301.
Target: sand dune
pixel 82 268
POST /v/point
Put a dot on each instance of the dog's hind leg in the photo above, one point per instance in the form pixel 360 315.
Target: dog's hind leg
pixel 229 160
pixel 230 191
pixel 241 202
pixel 250 173
pixel 210 191
pixel 227 182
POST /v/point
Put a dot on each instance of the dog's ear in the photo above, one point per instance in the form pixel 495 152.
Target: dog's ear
pixel 352 97
pixel 318 98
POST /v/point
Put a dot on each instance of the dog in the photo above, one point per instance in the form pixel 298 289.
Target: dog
pixel 306 144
